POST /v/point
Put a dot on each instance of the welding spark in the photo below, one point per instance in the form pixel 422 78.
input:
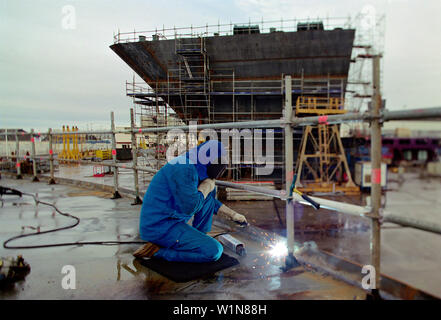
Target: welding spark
pixel 279 250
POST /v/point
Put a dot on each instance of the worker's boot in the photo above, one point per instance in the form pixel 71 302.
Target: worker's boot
pixel 146 251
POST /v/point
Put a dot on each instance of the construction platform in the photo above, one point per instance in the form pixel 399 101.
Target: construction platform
pixel 111 272
pixel 331 258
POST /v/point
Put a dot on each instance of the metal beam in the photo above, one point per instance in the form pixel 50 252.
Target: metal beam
pixel 341 207
pixel 413 114
pixel 413 223
pixel 134 158
pixel 433 113
pixel 34 160
pixel 375 245
pixel 289 166
pixel 116 194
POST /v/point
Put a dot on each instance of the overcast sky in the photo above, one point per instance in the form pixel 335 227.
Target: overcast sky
pixel 50 76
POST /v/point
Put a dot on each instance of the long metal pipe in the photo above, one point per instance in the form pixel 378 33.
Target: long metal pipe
pixel 375 246
pixel 51 157
pixel 17 156
pixel 289 164
pixel 135 157
pixel 260 190
pixel 345 208
pixel 111 164
pixel 116 194
pixel 433 113
pixel 413 223
pixel 225 125
pixel 6 140
pixel 34 160
pixel 341 207
pixel 330 119
pixel 426 113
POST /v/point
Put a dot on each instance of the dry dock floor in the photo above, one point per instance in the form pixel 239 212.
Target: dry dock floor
pixel 111 272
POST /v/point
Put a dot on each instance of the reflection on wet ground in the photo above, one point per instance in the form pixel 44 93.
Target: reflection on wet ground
pixel 111 272
pixel 410 255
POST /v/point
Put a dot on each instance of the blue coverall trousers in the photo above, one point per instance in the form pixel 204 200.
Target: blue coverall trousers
pixel 192 244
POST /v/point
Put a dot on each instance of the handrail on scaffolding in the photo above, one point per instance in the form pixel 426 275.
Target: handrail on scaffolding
pixel 319 105
pixel 288 122
pixel 433 113
pixel 223 29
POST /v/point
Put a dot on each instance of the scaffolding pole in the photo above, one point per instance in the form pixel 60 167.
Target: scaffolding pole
pixel 17 158
pixel 51 157
pixel 34 160
pixel 116 194
pixel 375 244
pixel 135 158
pixel 290 260
pixel 433 113
pixel 7 143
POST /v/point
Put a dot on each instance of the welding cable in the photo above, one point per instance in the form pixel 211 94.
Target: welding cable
pixel 77 221
pixel 308 199
pixel 304 196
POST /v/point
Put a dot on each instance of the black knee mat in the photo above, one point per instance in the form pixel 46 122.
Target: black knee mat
pixel 187 271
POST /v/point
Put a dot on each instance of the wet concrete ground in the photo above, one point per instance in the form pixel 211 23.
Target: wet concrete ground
pixel 111 272
pixel 407 254
pixel 86 172
pixel 410 255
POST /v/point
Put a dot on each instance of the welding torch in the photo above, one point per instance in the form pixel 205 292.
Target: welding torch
pixel 304 196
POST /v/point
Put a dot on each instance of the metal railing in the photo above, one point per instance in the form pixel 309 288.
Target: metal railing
pixel 225 29
pixel 375 116
pixel 221 84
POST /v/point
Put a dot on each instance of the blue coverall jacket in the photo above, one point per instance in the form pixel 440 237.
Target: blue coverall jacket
pixel 171 200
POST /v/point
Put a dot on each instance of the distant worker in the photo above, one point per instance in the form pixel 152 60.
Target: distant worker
pixel 182 189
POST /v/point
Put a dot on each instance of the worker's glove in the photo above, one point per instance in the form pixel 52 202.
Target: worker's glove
pixel 206 187
pixel 231 214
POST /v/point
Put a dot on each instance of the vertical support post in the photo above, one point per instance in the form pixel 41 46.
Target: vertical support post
pixel 7 143
pixel 51 157
pixel 158 148
pixel 7 149
pixel 116 194
pixel 376 176
pixel 34 158
pixel 17 156
pixel 290 260
pixel 135 158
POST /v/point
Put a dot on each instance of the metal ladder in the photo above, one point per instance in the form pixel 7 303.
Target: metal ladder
pixel 194 76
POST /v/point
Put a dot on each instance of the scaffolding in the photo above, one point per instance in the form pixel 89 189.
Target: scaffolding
pixel 193 90
pixel 194 79
pixel 156 106
pixel 228 29
pixel 375 116
pixel 151 110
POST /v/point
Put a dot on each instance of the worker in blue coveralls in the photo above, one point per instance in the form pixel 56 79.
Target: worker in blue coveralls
pixel 182 189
